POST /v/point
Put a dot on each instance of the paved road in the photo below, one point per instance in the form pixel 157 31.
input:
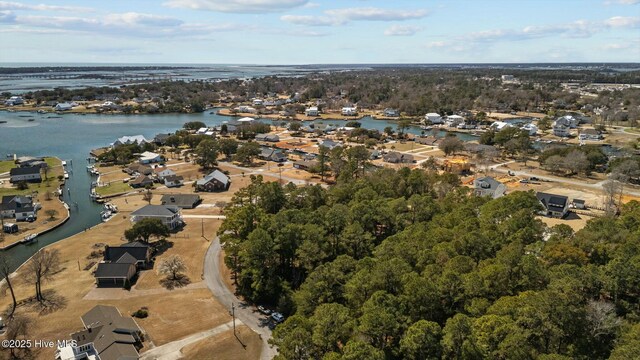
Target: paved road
pixel 191 216
pixel 246 313
pixel 171 351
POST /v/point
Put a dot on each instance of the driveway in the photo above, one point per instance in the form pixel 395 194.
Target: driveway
pixel 245 312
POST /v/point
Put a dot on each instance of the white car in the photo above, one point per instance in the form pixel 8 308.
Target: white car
pixel 277 317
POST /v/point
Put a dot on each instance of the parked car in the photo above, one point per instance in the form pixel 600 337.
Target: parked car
pixel 277 317
pixel 533 178
pixel 264 310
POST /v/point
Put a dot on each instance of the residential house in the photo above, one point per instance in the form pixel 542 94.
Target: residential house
pixel 530 128
pixel 258 102
pixel 183 201
pixel 161 139
pixel 214 181
pixel 433 118
pixel 454 120
pixel 137 168
pixel 14 100
pixel 349 111
pixel 275 155
pixel 561 130
pixel 488 186
pixel 395 157
pixel 590 134
pixel 568 120
pixel 162 172
pixel 267 137
pixel 10 228
pixel 28 174
pixel 329 144
pixel 170 215
pixel 499 125
pixel 128 140
pixel 312 111
pixel 18 207
pixel 149 157
pixel 118 273
pixel 173 181
pixel 389 112
pixel 29 161
pixel 579 204
pixel 245 109
pixel 64 106
pixel 246 120
pixel 107 335
pixel 374 154
pixel 305 165
pixel 555 206
pixel 141 181
pixel 428 140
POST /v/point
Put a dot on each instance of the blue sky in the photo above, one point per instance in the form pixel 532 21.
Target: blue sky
pixel 320 31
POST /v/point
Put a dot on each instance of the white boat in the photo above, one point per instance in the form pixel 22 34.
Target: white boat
pixel 64 163
pixel 66 175
pixel 29 239
pixel 426 127
pixel 105 215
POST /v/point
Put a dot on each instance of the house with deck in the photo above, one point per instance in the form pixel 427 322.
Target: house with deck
pixel 349 111
pixel 183 201
pixel 28 174
pixel 172 181
pixel 488 186
pixel 214 181
pixel 275 155
pixel 107 335
pixel 556 206
pixel 141 181
pixel 433 118
pixel 170 215
pixel 18 207
pixel 590 134
pixel 312 111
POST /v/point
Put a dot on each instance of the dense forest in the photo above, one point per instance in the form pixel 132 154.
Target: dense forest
pixel 408 265
pixel 414 91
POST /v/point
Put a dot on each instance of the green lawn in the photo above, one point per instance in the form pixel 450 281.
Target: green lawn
pixel 6 165
pixel 45 186
pixel 113 188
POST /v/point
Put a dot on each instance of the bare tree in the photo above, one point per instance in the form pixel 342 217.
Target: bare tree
pixel 172 267
pixel 554 163
pixel 602 318
pixel 18 328
pixel 5 272
pixel 51 213
pixel 576 161
pixel 147 196
pixel 612 189
pixel 41 267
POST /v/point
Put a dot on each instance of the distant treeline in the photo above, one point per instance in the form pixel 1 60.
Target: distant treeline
pixel 63 69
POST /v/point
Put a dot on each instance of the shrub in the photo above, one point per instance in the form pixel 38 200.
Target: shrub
pixel 141 313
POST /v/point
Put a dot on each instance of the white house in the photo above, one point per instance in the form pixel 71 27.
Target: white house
pixel 202 131
pixel 433 118
pixel 149 157
pixel 454 120
pixel 561 130
pixel 349 111
pixel 590 134
pixel 170 215
pixel 14 100
pixel 65 106
pixel 568 120
pixel 312 111
pixel 245 109
pixel 127 140
pixel 258 102
pixel 499 125
pixel 162 172
pixel 389 112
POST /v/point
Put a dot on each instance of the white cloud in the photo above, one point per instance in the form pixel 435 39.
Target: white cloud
pixel 622 21
pixel 135 19
pixel 8 5
pixel 402 30
pixel 628 2
pixel 311 20
pixel 336 17
pixel 436 44
pixel 376 14
pixel 237 6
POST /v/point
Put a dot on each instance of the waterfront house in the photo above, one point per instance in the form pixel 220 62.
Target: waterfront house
pixel 14 100
pixel 173 181
pixel 107 335
pixel 275 155
pixel 128 140
pixel 555 206
pixel 530 128
pixel 499 125
pixel 590 134
pixel 395 157
pixel 161 139
pixel 183 201
pixel 29 161
pixel 28 174
pixel 149 157
pixel 141 181
pixel 162 172
pixel 454 120
pixel 170 215
pixel 214 181
pixel 568 120
pixel 349 111
pixel 18 207
pixel 433 118
pixel 245 109
pixel 488 186
pixel 267 137
pixel 312 111
pixel 428 140
pixel 10 228
pixel 389 112
pixel 138 169
pixel 64 106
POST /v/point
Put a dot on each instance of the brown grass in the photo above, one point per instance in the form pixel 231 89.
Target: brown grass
pixel 225 346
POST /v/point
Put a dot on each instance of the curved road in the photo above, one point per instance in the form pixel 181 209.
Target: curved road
pixel 245 312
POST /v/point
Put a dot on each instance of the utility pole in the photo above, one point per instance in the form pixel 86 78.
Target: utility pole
pixel 233 314
pixel 202 226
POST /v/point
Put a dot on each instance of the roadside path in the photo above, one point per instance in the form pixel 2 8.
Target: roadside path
pixel 246 313
pixel 171 351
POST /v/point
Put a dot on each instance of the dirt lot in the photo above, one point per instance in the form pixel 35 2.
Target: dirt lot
pixel 172 314
pixel 226 346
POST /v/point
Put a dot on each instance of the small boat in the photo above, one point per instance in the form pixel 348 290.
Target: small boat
pixel 66 175
pixel 105 215
pixel 426 127
pixel 31 119
pixel 3 121
pixel 24 116
pixel 41 111
pixel 64 163
pixel 29 239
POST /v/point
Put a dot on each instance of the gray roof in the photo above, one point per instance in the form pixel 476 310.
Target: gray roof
pixel 156 210
pixel 126 258
pixel 487 182
pixel 110 333
pixel 180 200
pixel 25 171
pixel 217 175
pixel 113 270
pixel 552 201
pixel 14 202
